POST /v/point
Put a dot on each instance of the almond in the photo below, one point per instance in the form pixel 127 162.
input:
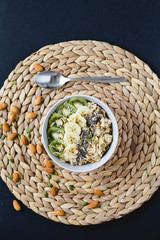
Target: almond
pixel 59 213
pixel 98 193
pixel 39 149
pixel 14 109
pixel 48 163
pixel 93 204
pixel 31 115
pixel 16 205
pixel 3 105
pixel 11 136
pixel 24 140
pixel 38 67
pixel 32 148
pixel 5 127
pixel 38 100
pixel 12 117
pixel 48 170
pixel 53 191
pixel 15 177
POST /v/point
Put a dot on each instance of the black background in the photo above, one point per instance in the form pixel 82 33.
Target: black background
pixel 25 26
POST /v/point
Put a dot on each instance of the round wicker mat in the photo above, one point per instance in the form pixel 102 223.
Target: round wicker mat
pixel 130 177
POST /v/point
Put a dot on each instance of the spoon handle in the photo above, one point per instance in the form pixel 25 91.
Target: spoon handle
pixel 100 79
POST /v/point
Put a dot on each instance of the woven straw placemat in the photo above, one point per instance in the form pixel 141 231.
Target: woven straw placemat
pixel 130 177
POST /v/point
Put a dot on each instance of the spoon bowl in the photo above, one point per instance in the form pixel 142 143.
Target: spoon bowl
pixel 50 79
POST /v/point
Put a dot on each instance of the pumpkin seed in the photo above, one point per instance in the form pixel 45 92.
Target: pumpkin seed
pixel 11 160
pixel 49 176
pixel 57 180
pixel 84 204
pixel 50 185
pixel 29 130
pixel 55 173
pixel 10 176
pixel 45 193
pixel 3 137
pixel 71 187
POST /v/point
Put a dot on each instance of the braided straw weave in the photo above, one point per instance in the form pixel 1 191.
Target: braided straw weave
pixel 130 177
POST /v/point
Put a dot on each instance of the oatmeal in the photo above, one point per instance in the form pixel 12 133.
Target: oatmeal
pixel 79 132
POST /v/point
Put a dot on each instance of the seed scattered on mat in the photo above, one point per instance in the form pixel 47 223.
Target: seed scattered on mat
pixel 16 177
pixel 15 82
pixel 31 115
pixel 39 149
pixel 49 176
pixel 98 193
pixel 32 148
pixel 5 127
pixel 16 205
pixel 15 109
pixel 10 176
pixel 93 204
pixel 3 137
pixel 38 67
pixel 3 106
pixel 12 136
pixel 38 100
pixel 53 191
pixel 11 160
pixel 45 193
pixel 29 135
pixel 24 140
pixel 50 185
pixel 84 204
pixel 60 213
pixel 57 180
pixel 12 117
pixel 48 170
pixel 55 173
pixel 48 163
pixel 71 187
pixel 29 130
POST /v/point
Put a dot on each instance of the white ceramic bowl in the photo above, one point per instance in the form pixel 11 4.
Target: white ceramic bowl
pixel 89 166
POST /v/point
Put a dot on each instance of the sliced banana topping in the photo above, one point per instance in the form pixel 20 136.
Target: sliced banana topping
pixel 71 151
pixel 72 127
pixel 77 118
pixel 71 137
pixel 84 111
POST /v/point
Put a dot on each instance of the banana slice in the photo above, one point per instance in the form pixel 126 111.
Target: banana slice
pixel 72 127
pixel 71 151
pixel 71 137
pixel 78 119
pixel 84 111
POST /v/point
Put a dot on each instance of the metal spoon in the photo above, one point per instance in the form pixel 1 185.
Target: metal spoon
pixel 54 80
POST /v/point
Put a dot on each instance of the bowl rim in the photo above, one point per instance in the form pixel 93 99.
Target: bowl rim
pixel 89 166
